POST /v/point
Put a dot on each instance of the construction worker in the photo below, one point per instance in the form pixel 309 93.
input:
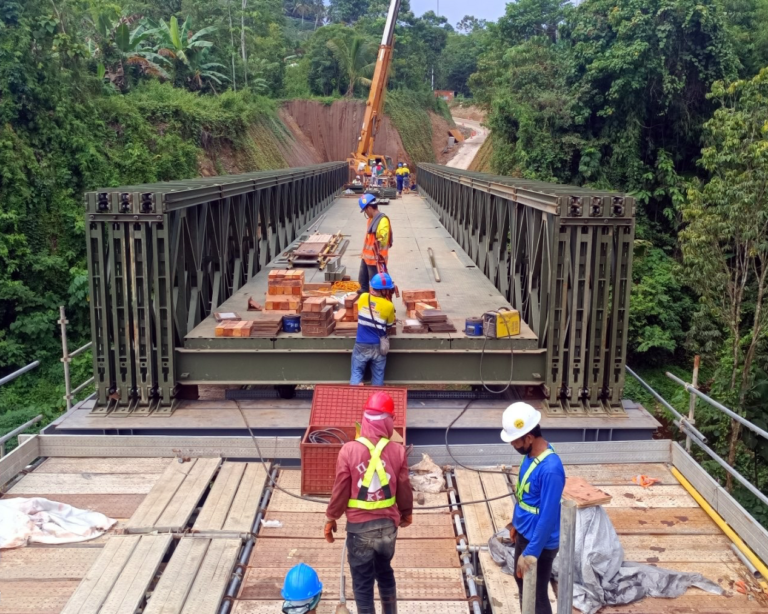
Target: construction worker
pixel 373 489
pixel 535 527
pixel 375 319
pixel 399 177
pixel 302 590
pixel 378 240
pixel 406 176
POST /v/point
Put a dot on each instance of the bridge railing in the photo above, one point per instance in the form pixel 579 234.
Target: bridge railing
pixel 562 256
pixel 163 257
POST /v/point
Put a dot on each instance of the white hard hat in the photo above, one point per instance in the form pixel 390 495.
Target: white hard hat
pixel 519 419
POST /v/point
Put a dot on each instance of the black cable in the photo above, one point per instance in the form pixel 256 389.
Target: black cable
pixel 511 361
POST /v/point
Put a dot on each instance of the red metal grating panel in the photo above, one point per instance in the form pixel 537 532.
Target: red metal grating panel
pixel 343 405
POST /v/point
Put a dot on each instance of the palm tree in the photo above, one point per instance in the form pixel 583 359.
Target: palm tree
pixel 179 43
pixel 355 60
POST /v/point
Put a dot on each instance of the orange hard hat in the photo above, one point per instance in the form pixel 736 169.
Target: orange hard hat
pixel 381 402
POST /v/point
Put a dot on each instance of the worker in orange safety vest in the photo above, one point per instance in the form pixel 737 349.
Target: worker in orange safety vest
pixel 378 240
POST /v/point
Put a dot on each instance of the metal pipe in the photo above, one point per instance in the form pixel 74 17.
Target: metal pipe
pixel 529 590
pixel 472 548
pixel 81 386
pixel 17 431
pixel 567 557
pixel 680 418
pixel 237 579
pixel 692 400
pixel 467 567
pixel 720 406
pixel 22 371
pixel 65 359
pixel 81 350
pixel 747 563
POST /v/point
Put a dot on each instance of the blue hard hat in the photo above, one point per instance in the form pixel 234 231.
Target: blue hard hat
pixel 382 281
pixel 365 200
pixel 399 164
pixel 301 583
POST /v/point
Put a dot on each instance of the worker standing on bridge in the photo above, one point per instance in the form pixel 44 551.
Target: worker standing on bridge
pixel 378 240
pixel 399 177
pixel 373 488
pixel 375 318
pixel 535 527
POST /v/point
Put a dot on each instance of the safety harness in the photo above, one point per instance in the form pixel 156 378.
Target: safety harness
pixel 361 502
pixel 524 486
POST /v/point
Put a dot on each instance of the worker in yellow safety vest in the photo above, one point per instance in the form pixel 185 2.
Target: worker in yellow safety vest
pixel 373 489
pixel 535 527
pixel 378 240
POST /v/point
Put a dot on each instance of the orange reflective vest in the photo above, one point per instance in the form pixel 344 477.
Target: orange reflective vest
pixel 369 247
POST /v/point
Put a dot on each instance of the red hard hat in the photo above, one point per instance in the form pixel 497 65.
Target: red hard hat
pixel 381 402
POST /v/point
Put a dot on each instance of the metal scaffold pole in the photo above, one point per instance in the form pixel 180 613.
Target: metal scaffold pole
pixel 567 556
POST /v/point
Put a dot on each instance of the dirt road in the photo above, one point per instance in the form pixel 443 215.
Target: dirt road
pixel 468 148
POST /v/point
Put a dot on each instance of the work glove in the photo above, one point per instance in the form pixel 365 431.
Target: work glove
pixel 406 521
pixel 330 529
pixel 512 532
pixel 524 563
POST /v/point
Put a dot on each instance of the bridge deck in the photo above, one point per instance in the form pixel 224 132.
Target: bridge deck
pixel 463 291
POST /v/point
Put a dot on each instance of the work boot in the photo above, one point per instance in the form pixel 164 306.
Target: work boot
pixel 389 604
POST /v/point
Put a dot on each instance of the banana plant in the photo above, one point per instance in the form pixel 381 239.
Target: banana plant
pixel 177 42
pixel 203 71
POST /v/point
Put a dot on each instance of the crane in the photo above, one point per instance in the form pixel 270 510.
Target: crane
pixel 360 158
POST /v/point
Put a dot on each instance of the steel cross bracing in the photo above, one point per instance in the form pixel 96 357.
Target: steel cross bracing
pixel 162 257
pixel 562 256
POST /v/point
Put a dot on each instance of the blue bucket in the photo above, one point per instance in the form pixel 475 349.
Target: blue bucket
pixel 292 324
pixel 473 327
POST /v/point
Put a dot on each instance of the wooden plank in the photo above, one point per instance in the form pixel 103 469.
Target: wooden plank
pixel 25 597
pixel 724 574
pixel 618 474
pixel 412 584
pixel 679 521
pixel 104 465
pixel 501 588
pixel 113 506
pixel 49 563
pixel 219 500
pixel 502 510
pixel 583 493
pixel 131 586
pixel 310 526
pixel 409 553
pixel 176 580
pixel 98 582
pixel 211 581
pixel 180 508
pixel 328 606
pixel 84 484
pixel 698 604
pixel 681 548
pixel 162 492
pixel 477 518
pixel 245 505
pixel 657 496
pixel 426 500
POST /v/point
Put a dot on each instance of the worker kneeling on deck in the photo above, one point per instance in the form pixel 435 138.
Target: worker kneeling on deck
pixel 375 318
pixel 378 240
pixel 302 590
pixel 535 527
pixel 373 488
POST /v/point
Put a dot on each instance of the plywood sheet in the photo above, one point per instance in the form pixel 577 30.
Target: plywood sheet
pixel 477 518
pixel 50 563
pixel 694 604
pixel 502 510
pixel 409 553
pixel 678 521
pixel 657 496
pixel 25 597
pixel 84 484
pixel 212 578
pixel 724 574
pixel 618 474
pixel 245 505
pixel 412 584
pixel 328 606
pixel 175 583
pixel 129 591
pixel 113 506
pixel 682 548
pixel 104 465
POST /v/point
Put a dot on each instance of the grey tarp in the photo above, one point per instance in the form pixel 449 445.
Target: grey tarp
pixel 602 576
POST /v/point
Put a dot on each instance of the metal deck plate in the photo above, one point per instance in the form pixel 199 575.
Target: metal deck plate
pixel 26 597
pixel 310 526
pixel 53 562
pixel 114 506
pixel 282 502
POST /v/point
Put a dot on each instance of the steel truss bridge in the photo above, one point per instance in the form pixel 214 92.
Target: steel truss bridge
pixel 163 257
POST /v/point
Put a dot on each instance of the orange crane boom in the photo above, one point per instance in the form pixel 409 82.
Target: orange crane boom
pixel 374 108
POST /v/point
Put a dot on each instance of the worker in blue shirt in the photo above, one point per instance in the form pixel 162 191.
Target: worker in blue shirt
pixel 535 527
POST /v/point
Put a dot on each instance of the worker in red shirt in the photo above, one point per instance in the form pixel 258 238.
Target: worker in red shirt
pixel 374 490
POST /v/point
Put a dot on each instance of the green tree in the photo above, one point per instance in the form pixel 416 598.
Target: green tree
pixel 725 240
pixel 354 57
pixel 180 44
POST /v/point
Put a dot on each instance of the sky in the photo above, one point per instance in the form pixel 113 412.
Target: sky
pixel 454 10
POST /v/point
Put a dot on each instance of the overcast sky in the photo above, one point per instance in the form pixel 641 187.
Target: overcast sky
pixel 454 10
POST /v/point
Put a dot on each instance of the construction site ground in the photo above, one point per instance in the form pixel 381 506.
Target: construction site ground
pixel 181 528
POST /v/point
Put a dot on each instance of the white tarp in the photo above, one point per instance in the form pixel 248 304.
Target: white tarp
pixel 37 520
pixel 601 575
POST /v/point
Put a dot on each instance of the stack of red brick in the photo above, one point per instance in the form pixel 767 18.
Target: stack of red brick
pixel 426 298
pixel 285 290
pixel 317 317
